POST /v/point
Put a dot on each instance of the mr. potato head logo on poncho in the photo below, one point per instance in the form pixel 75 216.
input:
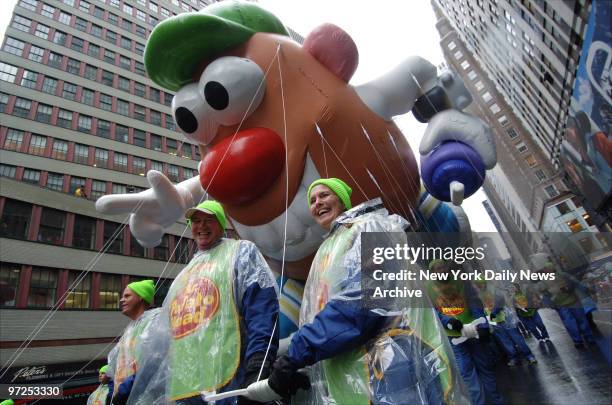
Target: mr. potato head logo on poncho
pixel 272 116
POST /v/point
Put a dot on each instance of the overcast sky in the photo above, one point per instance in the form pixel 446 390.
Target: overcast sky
pixel 385 31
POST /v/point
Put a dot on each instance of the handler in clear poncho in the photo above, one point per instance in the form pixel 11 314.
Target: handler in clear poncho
pixel 360 355
pixel 220 310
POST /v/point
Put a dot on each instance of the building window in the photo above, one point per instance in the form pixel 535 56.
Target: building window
pixel 111 37
pixel 183 251
pixel 120 162
pixel 139 112
pixel 139 166
pixel 155 165
pixel 531 160
pixel 139 48
pixel 551 191
pixel 170 121
pixel 106 102
pixel 22 23
pixel 113 231
pixel 74 66
pixel 494 108
pixel 121 133
pixel 125 63
pixel 110 291
pixel 161 251
pixel 91 72
pixel 80 24
pixel 84 124
pixel 521 147
pixel 3 101
pixel 107 78
pixel 81 153
pixel 94 52
pixel 124 84
pixel 55 60
pixel 47 11
pixel 139 68
pixel 155 117
pixel 139 89
pixel 78 296
pixel 141 31
pixel 29 79
pixel 103 128
pixel 113 19
pixel 49 85
pixel 87 96
pixel 119 188
pixel 36 54
pixel 101 158
pixel 123 107
pixel 136 248
pixel 98 189
pixel 69 91
pixel 156 142
pixel 139 138
pixel 60 149
pixel 55 181
pixel 64 18
pixel 9 281
pixel 125 43
pixel 96 30
pixel 563 208
pixel 31 176
pixel 154 94
pixel 141 15
pixel 77 44
pixel 13 140
pixel 38 144
pixel 8 72
pixel 42 31
pixel 126 24
pixel 43 113
pixel 59 37
pixel 22 107
pixel 43 286
pixel 540 175
pixel 109 56
pixel 8 171
pixel 84 6
pixel 15 219
pixel 98 12
pixel 75 183
pixel 574 225
pixel 52 224
pixel 14 46
pixel 173 173
pixel 64 118
pixel 511 133
pixel 84 235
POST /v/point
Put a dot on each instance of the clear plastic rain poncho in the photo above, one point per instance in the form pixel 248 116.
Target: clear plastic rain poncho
pixel 98 397
pixel 408 360
pixel 140 352
pixel 210 324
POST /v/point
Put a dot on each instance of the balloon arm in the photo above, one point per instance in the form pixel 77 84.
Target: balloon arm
pixel 153 210
pixel 396 92
pixel 453 125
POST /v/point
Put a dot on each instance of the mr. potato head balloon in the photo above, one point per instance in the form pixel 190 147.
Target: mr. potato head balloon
pixel 271 116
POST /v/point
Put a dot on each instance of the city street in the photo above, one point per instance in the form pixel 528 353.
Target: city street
pixel 564 374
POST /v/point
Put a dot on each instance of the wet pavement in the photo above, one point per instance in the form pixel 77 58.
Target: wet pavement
pixel 564 374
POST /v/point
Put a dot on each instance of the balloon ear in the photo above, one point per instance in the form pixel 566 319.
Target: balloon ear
pixel 334 48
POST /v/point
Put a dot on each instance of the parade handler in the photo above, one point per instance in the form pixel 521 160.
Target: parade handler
pixel 360 355
pixel 126 359
pixel 102 394
pixel 222 308
pixel 458 305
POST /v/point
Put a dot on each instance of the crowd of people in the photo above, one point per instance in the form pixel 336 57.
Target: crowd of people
pixel 217 328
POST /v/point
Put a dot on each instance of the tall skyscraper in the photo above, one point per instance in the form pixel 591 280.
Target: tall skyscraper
pixel 527 189
pixel 79 119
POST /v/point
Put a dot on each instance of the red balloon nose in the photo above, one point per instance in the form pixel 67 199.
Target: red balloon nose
pixel 237 172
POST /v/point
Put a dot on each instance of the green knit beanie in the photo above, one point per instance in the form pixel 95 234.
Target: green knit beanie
pixel 145 289
pixel 340 188
pixel 434 262
pixel 104 369
pixel 209 207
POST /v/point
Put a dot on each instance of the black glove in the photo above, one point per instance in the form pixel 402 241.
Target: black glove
pixel 252 371
pixel 484 334
pixel 454 324
pixel 285 379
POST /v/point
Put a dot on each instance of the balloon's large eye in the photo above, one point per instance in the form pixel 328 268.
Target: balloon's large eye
pixel 191 114
pixel 233 87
